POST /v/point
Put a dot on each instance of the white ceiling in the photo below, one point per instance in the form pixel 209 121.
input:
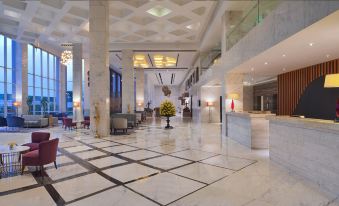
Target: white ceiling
pixel 296 52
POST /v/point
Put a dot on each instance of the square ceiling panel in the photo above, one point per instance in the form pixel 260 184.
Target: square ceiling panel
pixel 58 34
pixel 40 21
pixel 11 13
pixel 57 4
pixel 45 13
pixel 27 39
pixel 159 11
pixel 178 32
pixel 8 22
pixel 141 20
pixel 15 4
pixel 120 13
pixel 132 38
pixel 145 33
pixel 72 20
pixel 178 19
pixel 31 34
pixel 200 11
pixel 76 11
pixel 181 2
pixel 83 33
pixel 135 3
pixel 117 34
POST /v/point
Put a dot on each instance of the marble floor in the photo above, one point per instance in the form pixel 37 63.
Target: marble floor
pixel 190 165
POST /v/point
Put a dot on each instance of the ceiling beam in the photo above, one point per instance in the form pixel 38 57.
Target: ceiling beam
pixel 154 46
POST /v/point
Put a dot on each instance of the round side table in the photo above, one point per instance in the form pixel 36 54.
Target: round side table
pixel 10 159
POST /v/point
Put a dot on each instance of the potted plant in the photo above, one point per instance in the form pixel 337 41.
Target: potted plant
pixel 167 109
pixel 44 104
pixel 29 102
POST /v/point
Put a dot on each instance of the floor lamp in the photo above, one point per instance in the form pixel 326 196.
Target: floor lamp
pixel 332 81
pixel 209 104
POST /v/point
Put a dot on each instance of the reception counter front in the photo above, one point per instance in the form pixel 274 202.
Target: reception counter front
pixel 249 129
pixel 307 147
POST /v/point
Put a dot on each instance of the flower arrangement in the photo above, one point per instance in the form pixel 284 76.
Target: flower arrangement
pixel 167 109
pixel 12 145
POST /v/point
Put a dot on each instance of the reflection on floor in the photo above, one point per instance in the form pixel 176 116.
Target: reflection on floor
pixel 188 165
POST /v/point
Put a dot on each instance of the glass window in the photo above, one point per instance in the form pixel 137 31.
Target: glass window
pixel 42 68
pixel 2 51
pixel 2 74
pixel 9 53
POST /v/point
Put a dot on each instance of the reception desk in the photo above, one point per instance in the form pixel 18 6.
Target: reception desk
pixel 307 147
pixel 249 129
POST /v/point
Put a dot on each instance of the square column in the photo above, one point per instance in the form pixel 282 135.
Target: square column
pixel 77 83
pixel 128 100
pixel 140 92
pixel 62 87
pixel 22 78
pixel 99 67
pixel 86 88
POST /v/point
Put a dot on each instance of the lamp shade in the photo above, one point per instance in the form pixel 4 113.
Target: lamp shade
pixel 76 104
pixel 16 104
pixel 331 81
pixel 209 104
pixel 234 96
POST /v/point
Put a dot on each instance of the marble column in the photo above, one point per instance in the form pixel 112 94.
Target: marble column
pixel 86 88
pixel 21 87
pixel 99 67
pixel 140 92
pixel 128 101
pixel 62 88
pixel 77 83
pixel 223 102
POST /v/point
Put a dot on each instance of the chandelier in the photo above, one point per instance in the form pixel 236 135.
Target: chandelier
pixel 66 57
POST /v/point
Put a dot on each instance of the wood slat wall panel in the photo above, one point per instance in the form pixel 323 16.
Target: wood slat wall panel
pixel 291 85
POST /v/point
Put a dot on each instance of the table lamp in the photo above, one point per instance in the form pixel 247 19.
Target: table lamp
pixel 332 81
pixel 233 96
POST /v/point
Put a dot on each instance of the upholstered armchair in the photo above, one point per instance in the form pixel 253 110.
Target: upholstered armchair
pixel 14 121
pixel 68 123
pixel 46 154
pixel 37 138
pixel 119 124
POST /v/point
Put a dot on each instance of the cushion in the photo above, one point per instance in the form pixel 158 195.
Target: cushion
pixel 31 158
pixel 32 146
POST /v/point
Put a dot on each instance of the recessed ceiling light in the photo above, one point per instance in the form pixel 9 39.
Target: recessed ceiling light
pixel 159 11
pixel 311 44
pixel 193 26
pixel 252 69
pixel 284 55
pixel 266 63
pixel 284 69
pixel 328 56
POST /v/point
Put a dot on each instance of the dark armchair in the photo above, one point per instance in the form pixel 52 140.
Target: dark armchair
pixel 68 123
pixel 46 154
pixel 37 138
pixel 14 121
pixel 3 122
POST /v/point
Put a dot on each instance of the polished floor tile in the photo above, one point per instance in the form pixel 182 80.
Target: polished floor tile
pixel 166 162
pixel 62 159
pixel 81 186
pixel 32 197
pixel 202 172
pixel 69 144
pixel 77 148
pixel 104 144
pixel 130 172
pixel 90 141
pixel 106 161
pixel 140 154
pixel 119 196
pixel 90 154
pixel 227 162
pixel 194 155
pixel 119 149
pixel 144 144
pixel 165 188
pixel 19 181
pixel 167 149
pixel 65 171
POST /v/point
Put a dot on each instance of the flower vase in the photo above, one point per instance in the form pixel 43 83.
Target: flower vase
pixel 168 126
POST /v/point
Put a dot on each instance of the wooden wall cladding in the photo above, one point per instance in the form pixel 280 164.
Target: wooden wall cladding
pixel 291 85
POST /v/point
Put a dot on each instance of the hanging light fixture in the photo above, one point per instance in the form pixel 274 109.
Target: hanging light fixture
pixel 66 57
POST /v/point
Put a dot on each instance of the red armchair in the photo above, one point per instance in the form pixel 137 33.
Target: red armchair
pixel 68 123
pixel 37 138
pixel 46 154
pixel 86 123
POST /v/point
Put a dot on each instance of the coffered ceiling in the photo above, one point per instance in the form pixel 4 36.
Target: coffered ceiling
pixel 58 21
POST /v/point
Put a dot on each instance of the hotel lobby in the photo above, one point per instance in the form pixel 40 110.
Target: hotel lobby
pixel 169 102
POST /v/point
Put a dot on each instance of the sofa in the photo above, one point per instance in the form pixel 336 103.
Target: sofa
pixel 35 121
pixel 131 118
pixel 119 124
